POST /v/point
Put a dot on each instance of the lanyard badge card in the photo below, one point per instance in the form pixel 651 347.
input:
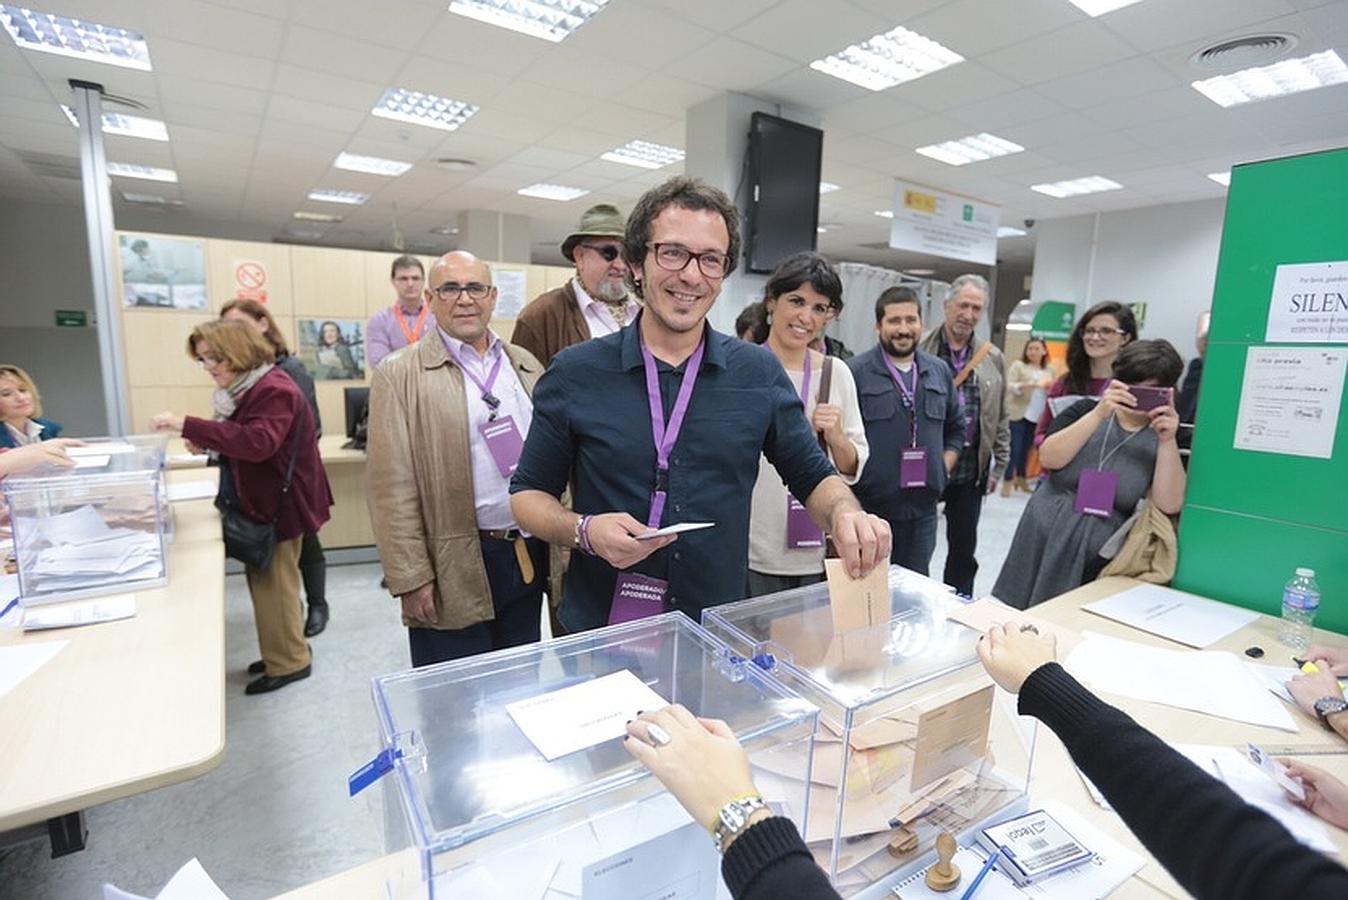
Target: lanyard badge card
pixel 912 459
pixel 1096 487
pixel 500 433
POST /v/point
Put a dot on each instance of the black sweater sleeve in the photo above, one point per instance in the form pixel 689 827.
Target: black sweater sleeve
pixel 1213 843
pixel 771 862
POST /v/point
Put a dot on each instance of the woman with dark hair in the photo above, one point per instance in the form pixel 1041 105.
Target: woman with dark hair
pixel 1102 458
pixel 786 548
pixel 313 564
pixel 333 355
pixel 1027 384
pixel 269 471
pixel 1099 335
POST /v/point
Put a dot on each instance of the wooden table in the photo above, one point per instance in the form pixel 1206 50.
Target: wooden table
pixel 126 706
pixel 1053 775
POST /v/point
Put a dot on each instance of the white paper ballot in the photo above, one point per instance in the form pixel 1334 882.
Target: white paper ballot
pixel 1162 611
pixel 583 715
pixel 1208 681
pixel 1275 678
pixel 191 490
pixel 19 662
pixel 189 883
pixel 189 458
pixel 673 529
pixel 101 448
pixel 92 462
pixel 79 612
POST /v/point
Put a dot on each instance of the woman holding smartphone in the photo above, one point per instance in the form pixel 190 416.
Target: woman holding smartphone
pixel 1102 458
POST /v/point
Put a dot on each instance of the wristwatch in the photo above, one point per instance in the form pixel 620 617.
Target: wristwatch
pixel 733 817
pixel 1329 706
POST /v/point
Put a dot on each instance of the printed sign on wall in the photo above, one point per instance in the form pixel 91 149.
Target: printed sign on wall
pixel 943 224
pixel 1309 304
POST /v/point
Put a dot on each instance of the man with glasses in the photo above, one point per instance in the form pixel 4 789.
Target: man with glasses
pixel 594 303
pixel 662 424
pixel 448 416
pixel 980 380
pixel 403 323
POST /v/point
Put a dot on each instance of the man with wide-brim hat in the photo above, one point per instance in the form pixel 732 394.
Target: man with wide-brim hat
pixel 595 302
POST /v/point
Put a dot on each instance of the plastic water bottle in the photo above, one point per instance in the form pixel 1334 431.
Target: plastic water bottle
pixel 1300 602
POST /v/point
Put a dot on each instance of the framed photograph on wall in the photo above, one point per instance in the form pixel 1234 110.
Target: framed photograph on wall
pixel 333 349
pixel 164 273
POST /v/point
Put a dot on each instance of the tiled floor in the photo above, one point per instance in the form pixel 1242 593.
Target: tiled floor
pixel 275 814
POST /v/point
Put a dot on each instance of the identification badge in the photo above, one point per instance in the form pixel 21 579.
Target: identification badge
pixel 637 597
pixel 1095 492
pixel 913 467
pixel 801 532
pixel 504 443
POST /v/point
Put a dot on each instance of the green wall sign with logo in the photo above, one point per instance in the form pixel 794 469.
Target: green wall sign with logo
pixel 1053 320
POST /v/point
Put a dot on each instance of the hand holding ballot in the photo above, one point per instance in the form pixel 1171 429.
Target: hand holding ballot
pixel 612 536
pixel 862 540
pixel 1326 796
pixel 45 453
pixel 1010 654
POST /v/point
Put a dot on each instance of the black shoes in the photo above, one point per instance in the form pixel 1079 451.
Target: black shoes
pixel 317 619
pixel 267 683
pixel 257 668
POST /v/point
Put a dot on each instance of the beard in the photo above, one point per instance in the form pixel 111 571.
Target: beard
pixel 610 291
pixel 899 346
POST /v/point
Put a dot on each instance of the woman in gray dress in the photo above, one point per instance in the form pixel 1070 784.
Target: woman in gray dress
pixel 1102 458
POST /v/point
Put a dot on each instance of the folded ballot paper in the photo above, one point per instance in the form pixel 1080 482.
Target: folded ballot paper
pixel 77 549
pixel 189 883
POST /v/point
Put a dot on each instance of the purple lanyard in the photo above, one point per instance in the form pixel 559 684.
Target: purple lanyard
pixel 493 402
pixel 957 362
pixel 666 435
pixel 909 394
pixel 805 382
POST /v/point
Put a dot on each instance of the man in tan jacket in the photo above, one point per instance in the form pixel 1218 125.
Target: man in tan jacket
pixel 448 416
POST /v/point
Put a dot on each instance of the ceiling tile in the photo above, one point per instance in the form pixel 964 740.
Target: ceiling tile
pixel 324 87
pixel 646 37
pixel 1055 54
pixel 1127 78
pixel 1021 106
pixel 179 89
pixel 733 65
pixel 805 88
pixel 871 113
pixel 664 94
pixel 1157 24
pixel 716 15
pixel 397 23
pixel 207 24
pixel 806 30
pixel 566 68
pixel 973 27
pixel 208 64
pixel 349 57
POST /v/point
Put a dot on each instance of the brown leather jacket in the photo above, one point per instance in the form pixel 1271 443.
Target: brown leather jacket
pixel 551 323
pixel 418 479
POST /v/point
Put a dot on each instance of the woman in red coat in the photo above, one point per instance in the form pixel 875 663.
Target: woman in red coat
pixel 261 420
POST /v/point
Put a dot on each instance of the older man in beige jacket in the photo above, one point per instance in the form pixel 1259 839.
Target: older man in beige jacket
pixel 448 416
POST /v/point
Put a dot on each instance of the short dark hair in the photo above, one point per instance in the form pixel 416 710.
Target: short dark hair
pixel 406 261
pixel 753 319
pixel 685 193
pixel 806 267
pixel 1156 360
pixel 1078 378
pixel 892 295
pixel 259 313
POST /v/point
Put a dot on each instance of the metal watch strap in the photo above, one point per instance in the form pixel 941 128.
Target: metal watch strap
pixel 1329 706
pixel 734 818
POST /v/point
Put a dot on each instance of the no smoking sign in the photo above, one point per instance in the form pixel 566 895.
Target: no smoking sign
pixel 250 281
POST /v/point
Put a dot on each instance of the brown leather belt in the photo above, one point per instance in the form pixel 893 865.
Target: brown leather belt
pixel 521 548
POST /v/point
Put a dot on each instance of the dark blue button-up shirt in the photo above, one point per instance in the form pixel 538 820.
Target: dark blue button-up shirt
pixel 592 425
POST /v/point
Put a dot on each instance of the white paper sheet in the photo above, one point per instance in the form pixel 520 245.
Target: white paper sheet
pixel 585 714
pixel 88 461
pixel 79 612
pixel 1174 615
pixel 19 662
pixel 1289 400
pixel 1275 678
pixel 1207 681
pixel 676 865
pixel 191 490
pixel 189 883
pixel 101 448
pixel 673 529
pixel 188 458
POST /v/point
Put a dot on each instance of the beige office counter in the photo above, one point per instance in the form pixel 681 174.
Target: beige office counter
pixel 1053 775
pixel 126 706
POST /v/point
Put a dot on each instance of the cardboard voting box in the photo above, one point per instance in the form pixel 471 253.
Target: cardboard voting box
pixel 500 792
pixel 914 739
pixel 101 527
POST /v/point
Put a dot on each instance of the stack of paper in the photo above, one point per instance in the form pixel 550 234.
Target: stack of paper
pixel 1184 618
pixel 82 551
pixel 79 612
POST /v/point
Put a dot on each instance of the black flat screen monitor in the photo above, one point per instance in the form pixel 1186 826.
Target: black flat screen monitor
pixel 784 165
pixel 357 398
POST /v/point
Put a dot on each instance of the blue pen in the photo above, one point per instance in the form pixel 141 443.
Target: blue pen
pixel 982 873
pixel 8 606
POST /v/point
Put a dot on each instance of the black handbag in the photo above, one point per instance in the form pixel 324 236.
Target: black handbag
pixel 251 542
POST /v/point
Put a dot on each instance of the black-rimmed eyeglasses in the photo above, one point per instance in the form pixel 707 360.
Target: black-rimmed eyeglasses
pixel 675 257
pixel 450 291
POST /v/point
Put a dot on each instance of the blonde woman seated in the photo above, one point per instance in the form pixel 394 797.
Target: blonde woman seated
pixel 21 410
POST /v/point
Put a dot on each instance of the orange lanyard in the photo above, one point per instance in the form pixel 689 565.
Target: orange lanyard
pixel 411 333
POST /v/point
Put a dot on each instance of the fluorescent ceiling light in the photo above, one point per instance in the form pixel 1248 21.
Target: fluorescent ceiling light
pixel 75 38
pixel 974 148
pixel 551 20
pixel 352 198
pixel 306 216
pixel 885 213
pixel 374 165
pixel 828 187
pixel 148 173
pixel 1289 76
pixel 126 126
pixel 551 192
pixel 1222 178
pixel 417 108
pixel 446 230
pixel 887 59
pixel 1092 184
pixel 1008 231
pixel 1100 7
pixel 644 155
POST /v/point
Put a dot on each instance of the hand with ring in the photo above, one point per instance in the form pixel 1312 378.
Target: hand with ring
pixel 1010 654
pixel 698 760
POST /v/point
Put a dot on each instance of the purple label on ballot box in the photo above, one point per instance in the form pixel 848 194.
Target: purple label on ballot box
pixel 504 443
pixel 801 532
pixel 913 467
pixel 1095 492
pixel 637 597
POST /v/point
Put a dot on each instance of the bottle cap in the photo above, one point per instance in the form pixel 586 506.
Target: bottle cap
pixel 1305 572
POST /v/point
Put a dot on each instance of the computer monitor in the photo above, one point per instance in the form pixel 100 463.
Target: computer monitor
pixel 357 398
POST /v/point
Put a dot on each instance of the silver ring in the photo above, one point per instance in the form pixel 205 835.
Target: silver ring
pixel 1030 628
pixel 659 737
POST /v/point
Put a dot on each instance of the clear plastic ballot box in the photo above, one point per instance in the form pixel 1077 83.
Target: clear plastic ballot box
pixel 914 739
pixel 101 527
pixel 510 779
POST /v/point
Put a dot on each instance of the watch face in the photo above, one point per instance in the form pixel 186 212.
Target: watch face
pixel 732 817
